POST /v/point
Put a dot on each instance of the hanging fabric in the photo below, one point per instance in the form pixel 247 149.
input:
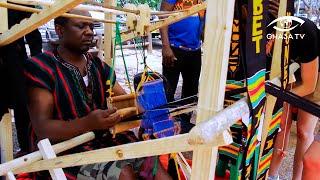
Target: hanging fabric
pixel 274 125
pixel 255 67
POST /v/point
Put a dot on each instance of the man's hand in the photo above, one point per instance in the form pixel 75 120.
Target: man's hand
pixel 102 119
pixel 273 8
pixel 168 57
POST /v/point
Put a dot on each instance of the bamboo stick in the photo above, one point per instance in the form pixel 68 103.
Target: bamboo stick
pixel 36 156
pixel 213 80
pixel 34 10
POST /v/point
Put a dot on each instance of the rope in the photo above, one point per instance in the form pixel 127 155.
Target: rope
pixel 146 76
pixel 118 41
pixel 174 157
pixel 282 150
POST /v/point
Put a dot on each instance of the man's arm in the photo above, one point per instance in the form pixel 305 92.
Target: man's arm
pixel 309 75
pixel 41 104
pixel 167 54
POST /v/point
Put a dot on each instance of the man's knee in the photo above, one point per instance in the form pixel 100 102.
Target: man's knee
pixel 304 135
pixel 310 162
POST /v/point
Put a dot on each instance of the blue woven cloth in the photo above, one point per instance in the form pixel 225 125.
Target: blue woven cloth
pixel 156 122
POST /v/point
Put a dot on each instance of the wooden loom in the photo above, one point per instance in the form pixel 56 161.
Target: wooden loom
pixel 211 96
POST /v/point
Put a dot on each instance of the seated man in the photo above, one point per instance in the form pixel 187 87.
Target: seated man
pixel 67 97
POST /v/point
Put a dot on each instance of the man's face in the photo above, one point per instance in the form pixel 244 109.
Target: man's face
pixel 77 34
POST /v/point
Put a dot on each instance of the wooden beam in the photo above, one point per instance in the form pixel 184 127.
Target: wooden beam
pixel 4 19
pixel 6 141
pixel 274 73
pixel 35 10
pixel 36 156
pixel 108 34
pixel 26 26
pixel 126 151
pixel 47 152
pixel 218 29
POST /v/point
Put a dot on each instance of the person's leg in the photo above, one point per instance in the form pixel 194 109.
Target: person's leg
pixel 281 142
pixel 305 128
pixel 190 70
pixel 311 161
pixel 172 75
pixel 18 97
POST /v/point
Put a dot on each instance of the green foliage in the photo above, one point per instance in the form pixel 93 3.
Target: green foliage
pixel 153 4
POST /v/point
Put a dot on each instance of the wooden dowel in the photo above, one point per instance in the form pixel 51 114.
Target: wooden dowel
pixel 122 97
pixel 127 112
pixel 34 10
pixel 124 126
pixel 36 156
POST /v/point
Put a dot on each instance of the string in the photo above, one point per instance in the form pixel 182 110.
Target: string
pixel 282 150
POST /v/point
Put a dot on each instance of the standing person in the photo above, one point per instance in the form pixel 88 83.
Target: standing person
pixel 311 160
pixel 181 49
pixel 181 52
pixel 12 91
pixel 305 52
pixel 67 94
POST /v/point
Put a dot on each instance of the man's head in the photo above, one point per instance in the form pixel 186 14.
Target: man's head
pixel 75 34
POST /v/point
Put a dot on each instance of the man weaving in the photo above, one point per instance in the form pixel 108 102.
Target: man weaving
pixel 67 97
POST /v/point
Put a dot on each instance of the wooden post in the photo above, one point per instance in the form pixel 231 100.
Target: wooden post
pixel 47 152
pixel 4 18
pixel 108 34
pixel 6 142
pixel 213 79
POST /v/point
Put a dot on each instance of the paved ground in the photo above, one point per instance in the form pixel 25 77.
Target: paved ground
pixel 154 62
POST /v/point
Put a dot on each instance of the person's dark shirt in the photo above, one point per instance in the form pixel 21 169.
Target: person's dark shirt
pixel 306 49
